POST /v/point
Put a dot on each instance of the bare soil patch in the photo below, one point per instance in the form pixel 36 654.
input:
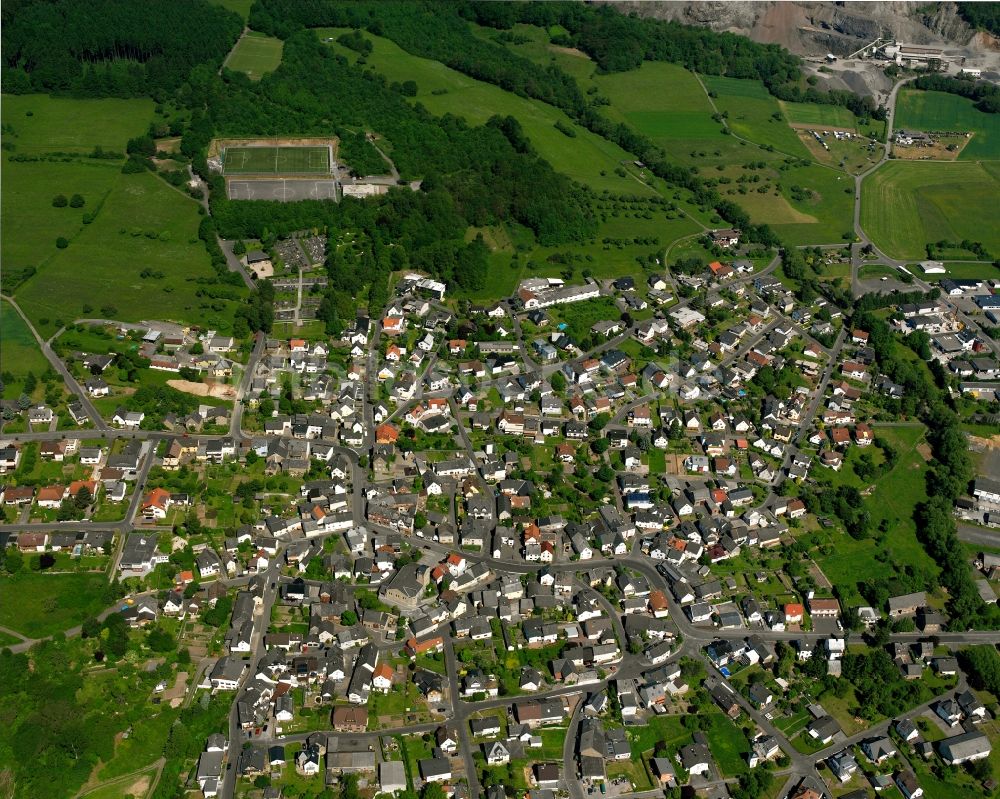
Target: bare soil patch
pixel 138 788
pixel 216 390
pixel 573 51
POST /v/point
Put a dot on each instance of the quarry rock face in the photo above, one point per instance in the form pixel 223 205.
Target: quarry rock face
pixel 818 28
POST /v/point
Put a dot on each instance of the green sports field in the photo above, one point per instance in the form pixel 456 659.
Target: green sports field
pixel 277 160
pixel 905 205
pixel 256 55
pixel 939 111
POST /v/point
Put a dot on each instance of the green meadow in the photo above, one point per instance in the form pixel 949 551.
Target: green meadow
pixel 144 224
pixel 19 352
pixel 38 126
pixel 893 499
pixel 906 204
pixel 940 111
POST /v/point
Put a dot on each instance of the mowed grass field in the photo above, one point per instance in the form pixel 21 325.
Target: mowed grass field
pixel 19 352
pixel 586 158
pixel 940 111
pixel 834 116
pixel 752 114
pixel 255 54
pixel 40 125
pixel 277 160
pixel 905 205
pixel 144 224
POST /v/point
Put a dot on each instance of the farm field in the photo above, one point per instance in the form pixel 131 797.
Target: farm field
pixel 905 205
pixel 940 111
pixel 30 224
pixel 815 206
pixel 63 601
pixel 19 352
pixel 585 157
pixel 255 54
pixel 754 114
pixel 277 160
pixel 144 225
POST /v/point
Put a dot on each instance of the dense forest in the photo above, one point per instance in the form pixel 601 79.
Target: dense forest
pixel 104 48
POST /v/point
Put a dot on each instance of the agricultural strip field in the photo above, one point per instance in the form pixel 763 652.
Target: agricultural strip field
pixel 144 225
pixel 940 111
pixel 905 205
pixel 666 103
pixel 752 114
pixel 277 160
pixel 255 54
pixel 38 127
pixel 584 157
pixel 19 352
